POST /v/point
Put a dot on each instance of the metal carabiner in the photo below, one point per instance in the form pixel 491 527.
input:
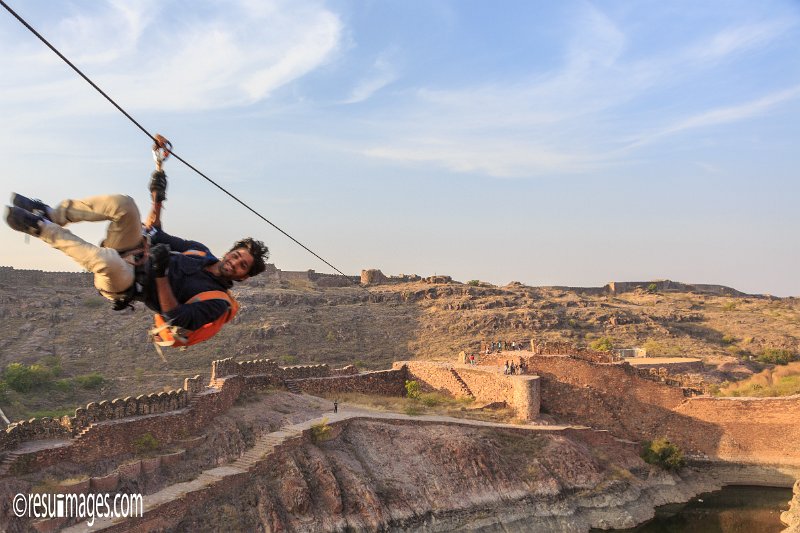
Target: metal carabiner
pixel 162 149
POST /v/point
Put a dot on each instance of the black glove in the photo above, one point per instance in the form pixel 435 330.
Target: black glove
pixel 158 184
pixel 159 259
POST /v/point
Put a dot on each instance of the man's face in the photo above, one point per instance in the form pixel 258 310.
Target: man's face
pixel 236 264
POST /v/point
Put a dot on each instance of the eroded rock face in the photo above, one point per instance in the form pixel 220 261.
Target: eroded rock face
pixel 381 475
pixel 792 517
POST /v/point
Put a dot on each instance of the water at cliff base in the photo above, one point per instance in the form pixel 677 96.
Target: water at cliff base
pixel 733 509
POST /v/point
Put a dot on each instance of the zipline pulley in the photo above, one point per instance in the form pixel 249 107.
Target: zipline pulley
pixel 162 149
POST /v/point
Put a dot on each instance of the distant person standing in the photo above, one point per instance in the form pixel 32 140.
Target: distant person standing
pixel 335 406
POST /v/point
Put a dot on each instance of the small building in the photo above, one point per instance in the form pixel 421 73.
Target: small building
pixel 627 353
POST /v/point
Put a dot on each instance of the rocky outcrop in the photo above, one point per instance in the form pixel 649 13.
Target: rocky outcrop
pixel 377 475
pixel 792 517
pixel 372 276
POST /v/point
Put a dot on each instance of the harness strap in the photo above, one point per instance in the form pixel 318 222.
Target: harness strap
pixel 165 334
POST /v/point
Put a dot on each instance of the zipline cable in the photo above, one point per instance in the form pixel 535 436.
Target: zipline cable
pixel 176 156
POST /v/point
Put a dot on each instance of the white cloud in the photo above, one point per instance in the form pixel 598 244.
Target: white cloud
pixel 146 57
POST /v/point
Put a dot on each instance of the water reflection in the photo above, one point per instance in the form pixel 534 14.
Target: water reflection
pixel 734 509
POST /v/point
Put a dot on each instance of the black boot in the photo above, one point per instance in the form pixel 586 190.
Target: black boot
pixel 37 207
pixel 21 220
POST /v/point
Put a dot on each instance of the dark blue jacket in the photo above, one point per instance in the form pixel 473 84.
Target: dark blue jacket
pixel 187 277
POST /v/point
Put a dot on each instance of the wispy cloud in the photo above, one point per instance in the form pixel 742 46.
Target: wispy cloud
pixel 739 39
pixel 383 73
pixel 721 115
pixel 574 118
pixel 235 54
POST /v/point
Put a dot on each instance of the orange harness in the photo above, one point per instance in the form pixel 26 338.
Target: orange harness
pixel 165 334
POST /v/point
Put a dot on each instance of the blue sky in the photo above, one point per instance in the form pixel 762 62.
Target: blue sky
pixel 568 143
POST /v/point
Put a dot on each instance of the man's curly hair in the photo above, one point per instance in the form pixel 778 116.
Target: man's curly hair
pixel 258 250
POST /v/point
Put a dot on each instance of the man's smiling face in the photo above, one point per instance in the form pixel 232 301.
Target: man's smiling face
pixel 236 264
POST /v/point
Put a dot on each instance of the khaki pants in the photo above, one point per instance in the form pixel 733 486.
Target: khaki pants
pixel 112 274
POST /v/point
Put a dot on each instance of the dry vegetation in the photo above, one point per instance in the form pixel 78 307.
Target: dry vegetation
pixel 775 381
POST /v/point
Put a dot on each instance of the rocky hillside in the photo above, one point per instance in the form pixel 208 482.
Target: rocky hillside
pixel 73 332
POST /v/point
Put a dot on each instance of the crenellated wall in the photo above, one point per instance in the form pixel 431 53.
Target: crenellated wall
pixel 229 379
pixel 118 408
pixel 613 397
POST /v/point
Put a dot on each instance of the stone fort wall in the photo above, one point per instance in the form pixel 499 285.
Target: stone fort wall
pixel 616 398
pixel 382 382
pixel 521 393
pixel 40 277
pixel 255 375
pixel 603 396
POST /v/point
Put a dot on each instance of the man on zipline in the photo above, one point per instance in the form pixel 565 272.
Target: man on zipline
pixel 180 280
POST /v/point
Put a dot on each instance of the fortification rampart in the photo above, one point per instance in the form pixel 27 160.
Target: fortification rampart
pixel 579 352
pixel 277 374
pixel 665 285
pixel 673 376
pixel 382 382
pixel 617 398
pixel 41 277
pixel 108 428
pixel 522 393
pixel 71 426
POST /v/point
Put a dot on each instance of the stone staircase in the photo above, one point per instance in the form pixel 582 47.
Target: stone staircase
pixel 464 388
pixel 8 461
pixel 260 452
pixel 85 430
pixel 262 448
pixel 293 387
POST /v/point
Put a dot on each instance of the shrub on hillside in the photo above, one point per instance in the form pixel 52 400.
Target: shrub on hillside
pixel 90 381
pixel 412 389
pixel 603 344
pixel 145 444
pixel 777 356
pixel 320 432
pixel 663 453
pixel 474 282
pixel 23 378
